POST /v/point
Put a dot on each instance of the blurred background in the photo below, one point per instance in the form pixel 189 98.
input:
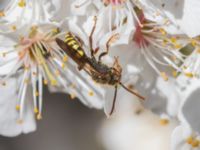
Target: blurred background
pixel 69 125
pixel 66 125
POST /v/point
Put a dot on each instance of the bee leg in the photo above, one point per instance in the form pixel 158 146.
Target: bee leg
pixel 91 37
pixel 104 53
pixel 79 40
pixel 96 50
pixel 111 40
pixel 80 67
pixel 114 101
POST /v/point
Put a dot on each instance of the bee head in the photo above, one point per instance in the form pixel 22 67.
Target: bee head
pixel 116 72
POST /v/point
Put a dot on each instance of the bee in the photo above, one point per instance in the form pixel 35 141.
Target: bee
pixel 99 72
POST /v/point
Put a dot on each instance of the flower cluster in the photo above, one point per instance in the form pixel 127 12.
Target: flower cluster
pixel 79 47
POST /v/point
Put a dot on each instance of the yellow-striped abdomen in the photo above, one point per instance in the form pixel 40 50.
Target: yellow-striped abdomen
pixel 74 45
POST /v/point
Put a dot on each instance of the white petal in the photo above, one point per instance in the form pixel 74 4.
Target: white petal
pixel 172 95
pixel 190 108
pixel 178 139
pixel 185 14
pixel 9 115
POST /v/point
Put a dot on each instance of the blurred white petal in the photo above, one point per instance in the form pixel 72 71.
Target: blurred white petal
pixel 9 125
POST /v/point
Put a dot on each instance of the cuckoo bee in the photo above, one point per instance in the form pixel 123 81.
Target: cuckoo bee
pixel 99 72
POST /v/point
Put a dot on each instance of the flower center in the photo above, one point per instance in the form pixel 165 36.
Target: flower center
pixel 157 45
pixel 139 36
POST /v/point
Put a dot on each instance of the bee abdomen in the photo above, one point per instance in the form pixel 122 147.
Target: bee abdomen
pixel 74 44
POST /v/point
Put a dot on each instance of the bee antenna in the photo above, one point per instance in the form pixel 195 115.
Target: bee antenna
pixel 114 101
pixel 134 93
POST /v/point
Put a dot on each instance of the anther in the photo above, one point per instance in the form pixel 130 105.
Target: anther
pixel 45 82
pixel 72 96
pixel 22 3
pixel 91 93
pixel 14 28
pixel 17 107
pixel 189 75
pixel 39 116
pixel 164 122
pixel 53 82
pixel 36 110
pixel 65 58
pixel 164 76
pixel 2 14
pixel 36 93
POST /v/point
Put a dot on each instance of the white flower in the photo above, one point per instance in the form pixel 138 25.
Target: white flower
pixel 157 44
pixel 183 13
pixel 186 136
pixel 170 91
pixel 116 11
pixel 184 139
pixel 40 61
pixel 9 115
pixel 17 13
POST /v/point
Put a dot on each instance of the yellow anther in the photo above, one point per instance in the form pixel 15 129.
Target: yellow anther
pixel 189 140
pixel 45 82
pixel 14 28
pixel 193 42
pixel 162 31
pixel 178 46
pixel 195 143
pixel 164 76
pixel 164 122
pixel 63 65
pixel 198 51
pixel 36 93
pixel 33 31
pixel 72 96
pixel 173 39
pixel 65 58
pixel 53 82
pixel 22 3
pixel 36 110
pixel 91 93
pixel 164 42
pixel 39 116
pixel 56 30
pixel 17 107
pixel 189 75
pixel 175 73
pixel 2 14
